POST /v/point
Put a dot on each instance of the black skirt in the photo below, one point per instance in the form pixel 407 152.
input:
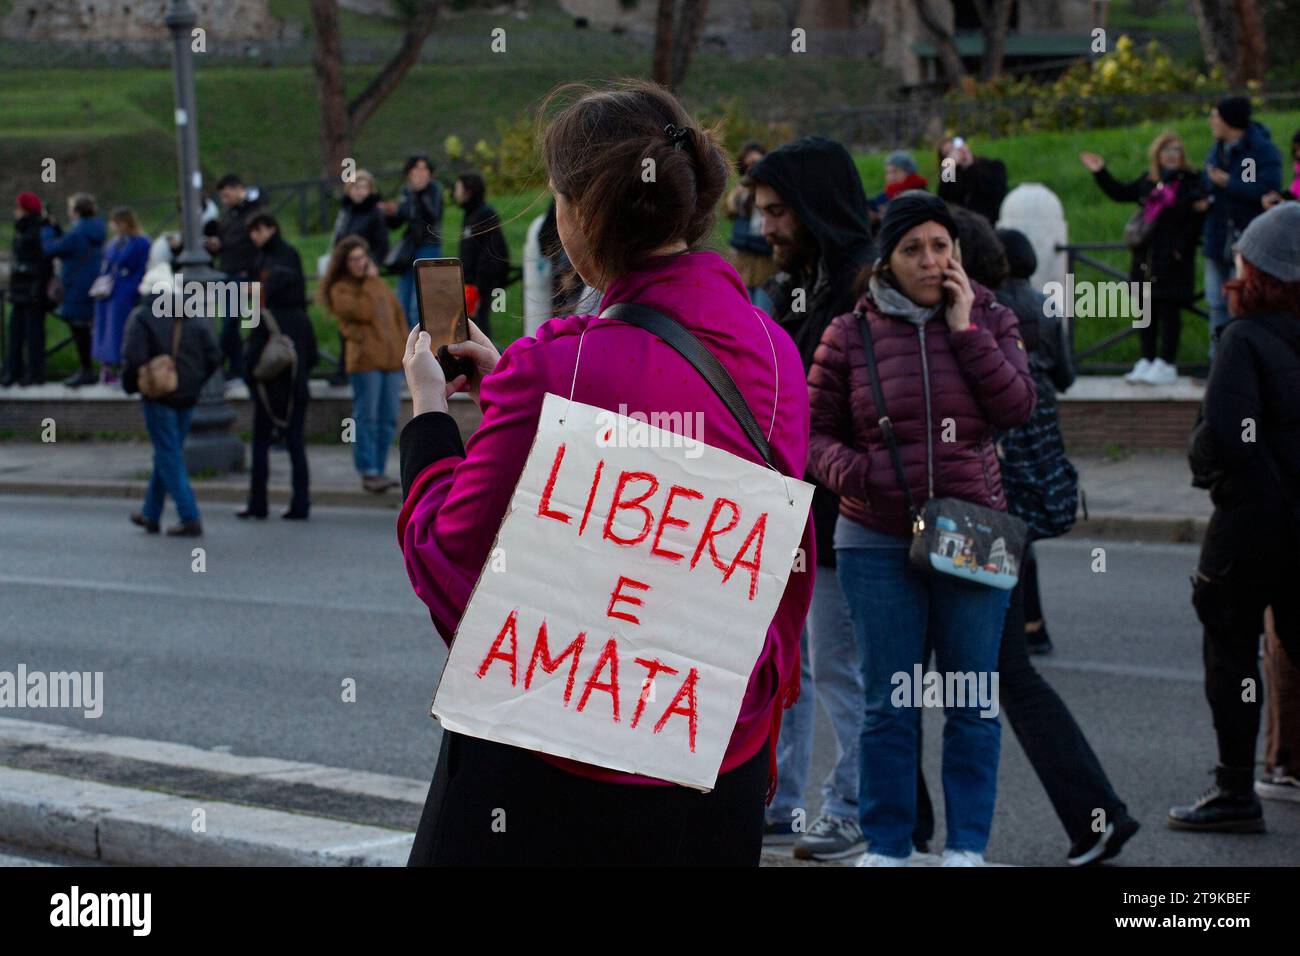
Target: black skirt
pixel 495 805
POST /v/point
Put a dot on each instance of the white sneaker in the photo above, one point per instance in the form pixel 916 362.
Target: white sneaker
pixel 1139 372
pixel 1160 373
pixel 879 859
pixel 962 858
pixel 1278 786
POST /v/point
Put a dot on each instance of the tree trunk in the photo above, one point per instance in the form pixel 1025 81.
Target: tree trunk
pixel 327 58
pixel 1251 53
pixel 954 71
pixel 1214 21
pixel 995 19
pixel 340 120
pixel 685 39
pixel 662 68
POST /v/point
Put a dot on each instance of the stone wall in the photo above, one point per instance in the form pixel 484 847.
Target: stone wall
pixel 134 21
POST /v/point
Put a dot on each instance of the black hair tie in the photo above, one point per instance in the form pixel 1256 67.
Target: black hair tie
pixel 677 135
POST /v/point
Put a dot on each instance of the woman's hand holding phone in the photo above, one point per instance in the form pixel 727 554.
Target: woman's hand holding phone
pixel 425 380
pixel 479 350
pixel 959 295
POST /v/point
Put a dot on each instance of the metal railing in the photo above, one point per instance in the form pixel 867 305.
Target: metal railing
pixel 1076 254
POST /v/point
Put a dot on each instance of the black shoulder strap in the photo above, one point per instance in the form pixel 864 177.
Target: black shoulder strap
pixel 693 350
pixel 886 426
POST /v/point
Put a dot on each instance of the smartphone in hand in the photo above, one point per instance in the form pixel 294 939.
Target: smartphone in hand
pixel 440 295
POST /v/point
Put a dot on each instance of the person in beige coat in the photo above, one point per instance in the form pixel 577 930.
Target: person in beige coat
pixel 374 332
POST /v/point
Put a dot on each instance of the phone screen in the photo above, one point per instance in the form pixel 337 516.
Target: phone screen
pixel 440 290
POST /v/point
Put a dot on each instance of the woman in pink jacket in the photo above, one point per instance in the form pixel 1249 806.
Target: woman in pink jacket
pixel 636 239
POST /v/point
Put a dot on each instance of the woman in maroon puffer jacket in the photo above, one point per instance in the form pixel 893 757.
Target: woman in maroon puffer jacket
pixel 953 370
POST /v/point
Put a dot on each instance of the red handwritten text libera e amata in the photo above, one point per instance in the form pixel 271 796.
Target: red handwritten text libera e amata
pixel 639 499
pixel 602 676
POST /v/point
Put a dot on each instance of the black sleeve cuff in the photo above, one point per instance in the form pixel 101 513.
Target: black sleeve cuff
pixel 425 439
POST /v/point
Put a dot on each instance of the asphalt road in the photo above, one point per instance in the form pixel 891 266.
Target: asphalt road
pixel 250 655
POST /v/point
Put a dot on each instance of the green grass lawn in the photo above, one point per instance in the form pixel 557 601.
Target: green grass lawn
pixel 1048 158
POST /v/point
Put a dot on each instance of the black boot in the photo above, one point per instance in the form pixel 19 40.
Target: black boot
pixel 1230 806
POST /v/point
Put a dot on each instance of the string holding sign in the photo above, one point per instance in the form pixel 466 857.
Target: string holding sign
pixel 679 338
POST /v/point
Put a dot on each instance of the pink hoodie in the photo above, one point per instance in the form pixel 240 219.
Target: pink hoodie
pixel 455 506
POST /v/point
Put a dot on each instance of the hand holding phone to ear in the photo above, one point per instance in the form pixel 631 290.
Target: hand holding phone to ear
pixel 959 295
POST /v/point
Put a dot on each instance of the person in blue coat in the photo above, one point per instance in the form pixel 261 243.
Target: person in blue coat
pixel 79 249
pixel 125 259
pixel 1243 166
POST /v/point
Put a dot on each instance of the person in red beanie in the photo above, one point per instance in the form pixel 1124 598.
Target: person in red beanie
pixel 29 274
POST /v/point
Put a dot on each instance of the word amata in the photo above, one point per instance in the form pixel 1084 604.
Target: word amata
pixel 683 702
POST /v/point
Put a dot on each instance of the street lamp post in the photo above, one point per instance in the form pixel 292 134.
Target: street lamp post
pixel 210 446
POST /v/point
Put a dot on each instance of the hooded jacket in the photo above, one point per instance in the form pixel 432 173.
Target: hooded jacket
pixel 816 177
pixel 946 392
pixel 80 251
pixel 1237 203
pixel 456 497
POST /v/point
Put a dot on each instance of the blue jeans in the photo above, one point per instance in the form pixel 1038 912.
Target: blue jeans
pixel 375 397
pixel 167 429
pixel 1216 274
pixel 406 284
pixel 892 606
pixel 831 673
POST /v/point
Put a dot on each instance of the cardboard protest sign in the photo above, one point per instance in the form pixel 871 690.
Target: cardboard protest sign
pixel 628 597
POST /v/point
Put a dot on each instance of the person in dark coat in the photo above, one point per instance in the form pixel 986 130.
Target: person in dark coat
pixel 1047 340
pixel 951 365
pixel 1245 449
pixel 484 255
pixel 279 405
pixel 79 250
pixel 974 182
pixel 360 214
pixel 814 217
pixel 227 239
pixel 1041 486
pixel 1173 197
pixel 418 213
pixel 1243 166
pixel 29 274
pixel 151 331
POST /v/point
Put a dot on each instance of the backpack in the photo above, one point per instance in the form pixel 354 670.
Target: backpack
pixel 1041 485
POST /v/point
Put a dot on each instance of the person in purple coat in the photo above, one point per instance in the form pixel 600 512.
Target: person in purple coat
pixel 953 371
pixel 125 258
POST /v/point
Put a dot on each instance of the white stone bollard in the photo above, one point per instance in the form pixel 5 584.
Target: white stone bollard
pixel 1036 211
pixel 537 280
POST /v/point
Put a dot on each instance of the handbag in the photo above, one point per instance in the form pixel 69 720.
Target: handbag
pixel 54 291
pixel 278 356
pixel 102 287
pixel 950 537
pixel 401 256
pixel 1138 231
pixel 676 335
pixel 158 377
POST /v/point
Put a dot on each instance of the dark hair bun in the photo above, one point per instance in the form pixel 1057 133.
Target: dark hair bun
pixel 641 172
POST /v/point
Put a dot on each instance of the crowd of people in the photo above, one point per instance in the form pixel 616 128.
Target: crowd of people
pixel 105 287
pixel 910 361
pixel 932 369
